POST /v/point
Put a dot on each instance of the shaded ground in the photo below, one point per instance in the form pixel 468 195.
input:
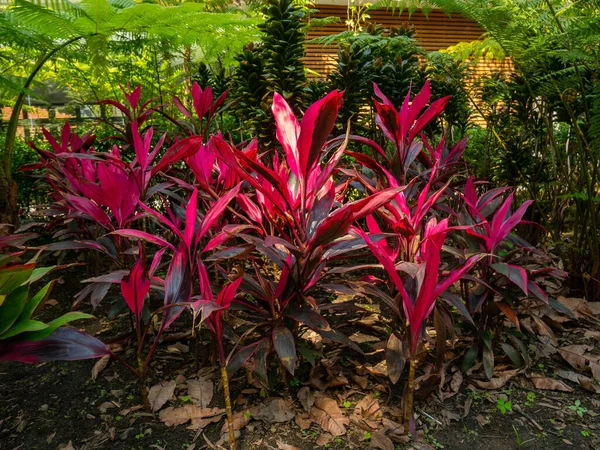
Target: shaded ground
pixel 59 405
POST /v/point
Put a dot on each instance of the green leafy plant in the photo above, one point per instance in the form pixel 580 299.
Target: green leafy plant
pixel 503 405
pixel 578 409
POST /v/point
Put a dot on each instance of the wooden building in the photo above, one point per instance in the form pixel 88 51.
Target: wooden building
pixel 435 30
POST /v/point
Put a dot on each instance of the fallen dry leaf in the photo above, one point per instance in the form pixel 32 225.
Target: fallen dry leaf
pixel 576 357
pixel 240 420
pixel 456 381
pixel 200 417
pixel 276 410
pixel 323 439
pixel 496 382
pixel 379 370
pixel 328 415
pixel 161 393
pixel 368 412
pixel 178 348
pixel 282 446
pixel 482 421
pixel 201 391
pixel 68 446
pixel 106 405
pixel 392 428
pixel 362 382
pixel 579 306
pixel 589 384
pixel 306 397
pixel 303 421
pixel 100 366
pixel 361 338
pixel 594 308
pixel 381 441
pixel 548 384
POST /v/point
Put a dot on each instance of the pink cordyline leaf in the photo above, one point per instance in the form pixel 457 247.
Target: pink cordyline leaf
pixel 190 219
pixel 90 209
pixel 119 191
pixel 186 112
pixel 213 214
pixel 141 147
pixel 65 344
pixel 138 234
pixel 161 219
pixel 215 320
pixel 202 164
pixel 178 284
pixel 133 97
pixel 503 222
pixel 516 274
pixel 429 285
pixel 201 100
pixel 303 142
pixel 315 128
pixel 218 102
pixel 288 131
pixel 249 207
pixel 134 287
pixel 402 127
pixel 178 151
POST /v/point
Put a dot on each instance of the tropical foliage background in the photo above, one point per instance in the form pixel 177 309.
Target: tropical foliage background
pixel 208 183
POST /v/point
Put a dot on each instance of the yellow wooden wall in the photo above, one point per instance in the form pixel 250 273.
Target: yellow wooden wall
pixel 434 31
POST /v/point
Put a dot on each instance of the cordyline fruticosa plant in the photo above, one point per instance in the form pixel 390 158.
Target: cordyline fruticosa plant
pixel 418 217
pixel 284 221
pixel 298 220
pixel 509 272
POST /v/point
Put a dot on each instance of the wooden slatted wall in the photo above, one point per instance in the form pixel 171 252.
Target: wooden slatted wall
pixel 434 32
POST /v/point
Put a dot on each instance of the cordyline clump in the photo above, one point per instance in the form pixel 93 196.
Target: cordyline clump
pixel 260 235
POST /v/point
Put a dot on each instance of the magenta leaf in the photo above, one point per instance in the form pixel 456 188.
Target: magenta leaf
pixel 516 274
pixel 216 211
pixel 315 128
pixel 288 132
pixel 134 287
pixel 178 285
pixel 137 234
pixel 178 151
pixel 65 344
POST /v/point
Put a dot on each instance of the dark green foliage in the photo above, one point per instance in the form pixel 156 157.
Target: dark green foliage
pixel 448 76
pixel 543 124
pixel 249 90
pixel 374 57
pixel 216 76
pixel 353 76
pixel 275 65
pixel 283 43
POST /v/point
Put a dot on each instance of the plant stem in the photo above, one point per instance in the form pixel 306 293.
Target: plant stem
pixel 142 380
pixel 408 407
pixel 225 381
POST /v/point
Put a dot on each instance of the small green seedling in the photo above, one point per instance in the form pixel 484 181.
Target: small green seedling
pixel 367 436
pixel 294 382
pixel 520 441
pixel 530 399
pixel 586 433
pixel 503 405
pixel 346 404
pixel 247 415
pixel 577 408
